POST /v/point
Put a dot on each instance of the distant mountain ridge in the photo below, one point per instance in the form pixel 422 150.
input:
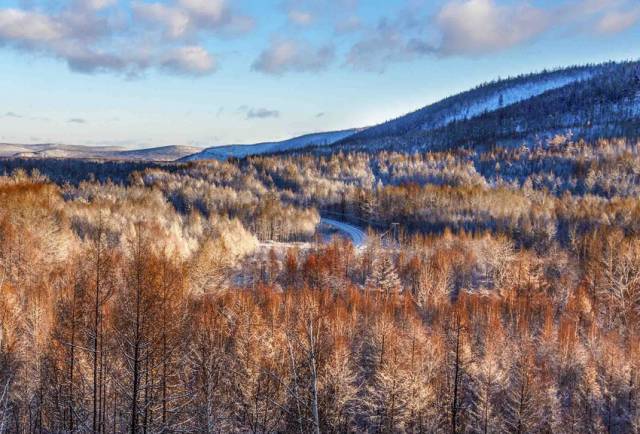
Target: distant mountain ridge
pixel 241 151
pixel 589 102
pixel 53 150
pixel 487 97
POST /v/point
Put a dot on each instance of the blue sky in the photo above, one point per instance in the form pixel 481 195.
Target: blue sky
pixel 209 72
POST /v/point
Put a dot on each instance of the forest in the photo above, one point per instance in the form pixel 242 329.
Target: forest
pixel 589 102
pixel 498 291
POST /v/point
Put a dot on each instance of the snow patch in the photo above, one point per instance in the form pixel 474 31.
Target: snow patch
pixel 507 97
pixel 358 237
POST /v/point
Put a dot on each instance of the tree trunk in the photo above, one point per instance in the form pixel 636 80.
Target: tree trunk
pixel 314 378
pixel 456 380
pixel 96 321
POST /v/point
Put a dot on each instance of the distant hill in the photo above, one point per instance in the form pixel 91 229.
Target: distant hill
pixel 590 102
pixel 582 102
pixel 164 153
pixel 240 151
pixel 52 150
pixel 8 150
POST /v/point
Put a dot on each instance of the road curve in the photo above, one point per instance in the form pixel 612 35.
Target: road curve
pixel 358 237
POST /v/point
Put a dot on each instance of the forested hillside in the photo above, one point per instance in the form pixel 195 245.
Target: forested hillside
pixel 590 102
pixel 582 102
pixel 240 151
pixel 199 297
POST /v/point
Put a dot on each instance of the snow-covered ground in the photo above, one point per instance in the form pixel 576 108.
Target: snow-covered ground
pixel 357 235
pixel 508 97
pixel 279 246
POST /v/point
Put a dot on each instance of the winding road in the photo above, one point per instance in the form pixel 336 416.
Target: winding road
pixel 357 235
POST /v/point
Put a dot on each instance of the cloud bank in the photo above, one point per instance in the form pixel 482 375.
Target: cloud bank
pixel 476 27
pixel 289 55
pixel 473 28
pixel 132 37
pixel 97 36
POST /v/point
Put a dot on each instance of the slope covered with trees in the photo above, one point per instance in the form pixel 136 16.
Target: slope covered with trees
pixel 590 102
pixel 240 151
pixel 507 300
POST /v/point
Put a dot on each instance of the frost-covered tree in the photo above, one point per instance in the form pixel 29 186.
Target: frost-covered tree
pixel 384 276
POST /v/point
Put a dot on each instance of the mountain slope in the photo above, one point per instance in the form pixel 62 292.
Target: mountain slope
pixel 52 150
pixel 240 151
pixel 163 153
pixel 588 101
pixel 8 149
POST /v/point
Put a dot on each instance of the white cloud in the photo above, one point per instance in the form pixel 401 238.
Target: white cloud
pixel 618 21
pixel 474 27
pixel 96 4
pixel 479 27
pixel 95 36
pixel 88 61
pixel 301 18
pixel 102 36
pixel 28 27
pixel 339 14
pixel 192 60
pixel 385 44
pixel 184 18
pixel 287 55
pixel 212 12
pixel 175 21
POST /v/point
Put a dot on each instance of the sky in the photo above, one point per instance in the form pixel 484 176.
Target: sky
pixel 141 73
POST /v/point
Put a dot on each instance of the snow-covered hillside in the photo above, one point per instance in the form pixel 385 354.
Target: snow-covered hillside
pixel 507 96
pixel 589 102
pixel 54 150
pixel 240 151
pixel 482 99
pixel 9 150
